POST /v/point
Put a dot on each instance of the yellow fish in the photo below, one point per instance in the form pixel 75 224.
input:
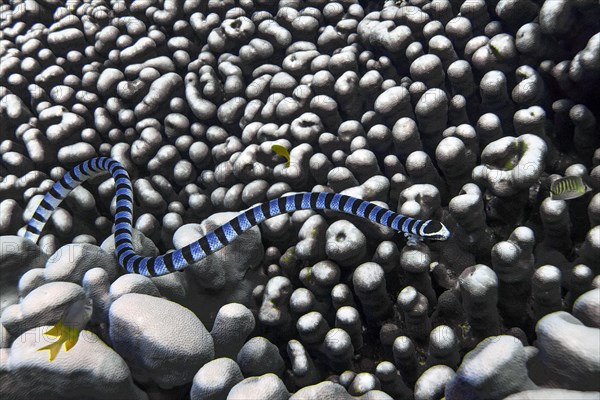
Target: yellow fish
pixel 67 329
pixel 283 152
pixel 567 188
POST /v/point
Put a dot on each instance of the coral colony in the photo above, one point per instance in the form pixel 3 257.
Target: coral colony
pixel 300 199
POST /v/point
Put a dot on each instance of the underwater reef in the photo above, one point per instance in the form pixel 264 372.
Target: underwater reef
pixel 467 112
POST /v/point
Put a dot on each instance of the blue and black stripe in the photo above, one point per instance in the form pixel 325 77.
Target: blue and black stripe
pixel 223 235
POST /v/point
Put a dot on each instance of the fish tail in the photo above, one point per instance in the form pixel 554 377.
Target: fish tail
pixel 53 348
pixel 56 330
pixel 69 343
pixel 283 152
pixel 72 335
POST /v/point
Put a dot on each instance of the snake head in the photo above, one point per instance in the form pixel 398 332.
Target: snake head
pixel 434 230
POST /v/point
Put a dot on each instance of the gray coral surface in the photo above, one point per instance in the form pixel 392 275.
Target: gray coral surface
pixel 459 111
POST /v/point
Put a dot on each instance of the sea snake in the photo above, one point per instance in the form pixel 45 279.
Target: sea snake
pixel 223 235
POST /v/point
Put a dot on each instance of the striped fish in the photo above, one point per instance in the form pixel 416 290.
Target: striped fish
pixel 567 188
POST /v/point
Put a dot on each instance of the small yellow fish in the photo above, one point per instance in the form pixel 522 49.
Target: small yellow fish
pixel 67 329
pixel 567 188
pixel 283 152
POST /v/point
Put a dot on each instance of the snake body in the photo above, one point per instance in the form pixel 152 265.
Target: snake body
pixel 223 235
